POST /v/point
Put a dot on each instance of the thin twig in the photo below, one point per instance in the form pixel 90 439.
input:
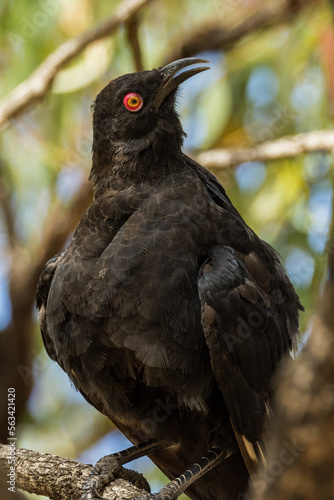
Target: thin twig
pixel 132 32
pixel 38 83
pixel 286 147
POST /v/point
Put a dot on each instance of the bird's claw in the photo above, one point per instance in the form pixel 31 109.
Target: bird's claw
pixel 105 471
pixel 89 491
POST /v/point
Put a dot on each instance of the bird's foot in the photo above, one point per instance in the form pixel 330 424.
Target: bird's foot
pixel 173 489
pixel 105 471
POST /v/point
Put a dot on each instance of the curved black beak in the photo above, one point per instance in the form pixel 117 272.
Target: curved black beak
pixel 170 83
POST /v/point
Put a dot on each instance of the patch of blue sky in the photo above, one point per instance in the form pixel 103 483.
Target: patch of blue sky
pixel 69 181
pixel 262 86
pixel 5 303
pixel 300 266
pixel 320 212
pixel 194 118
pixel 316 165
pixel 47 373
pixel 308 91
pixel 250 175
pixel 306 98
pixel 30 205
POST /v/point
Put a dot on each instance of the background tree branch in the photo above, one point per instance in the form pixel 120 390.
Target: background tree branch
pixel 5 204
pixel 39 82
pixel 217 34
pixel 132 32
pixel 286 147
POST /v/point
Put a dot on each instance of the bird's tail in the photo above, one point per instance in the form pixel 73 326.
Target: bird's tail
pixel 252 453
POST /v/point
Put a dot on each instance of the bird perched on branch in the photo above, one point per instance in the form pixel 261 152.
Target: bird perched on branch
pixel 167 312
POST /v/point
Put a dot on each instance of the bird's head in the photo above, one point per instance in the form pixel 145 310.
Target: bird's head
pixel 135 114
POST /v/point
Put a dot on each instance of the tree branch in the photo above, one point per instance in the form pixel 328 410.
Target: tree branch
pixel 286 147
pixel 5 204
pixel 38 83
pixel 132 33
pixel 53 476
pixel 217 34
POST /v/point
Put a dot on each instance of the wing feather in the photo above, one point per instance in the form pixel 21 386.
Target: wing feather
pixel 244 334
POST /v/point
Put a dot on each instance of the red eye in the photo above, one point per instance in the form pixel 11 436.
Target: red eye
pixel 133 102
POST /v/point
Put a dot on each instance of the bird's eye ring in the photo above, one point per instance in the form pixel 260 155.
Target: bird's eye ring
pixel 133 101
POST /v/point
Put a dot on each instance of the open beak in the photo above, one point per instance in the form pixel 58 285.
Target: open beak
pixel 170 82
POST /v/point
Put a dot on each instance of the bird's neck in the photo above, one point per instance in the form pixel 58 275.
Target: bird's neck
pixel 146 159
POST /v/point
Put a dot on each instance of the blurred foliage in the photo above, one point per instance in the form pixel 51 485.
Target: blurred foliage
pixel 270 84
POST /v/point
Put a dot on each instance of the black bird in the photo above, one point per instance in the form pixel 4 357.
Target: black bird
pixel 167 312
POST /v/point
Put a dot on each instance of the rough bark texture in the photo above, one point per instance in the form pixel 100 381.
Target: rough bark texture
pixel 55 477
